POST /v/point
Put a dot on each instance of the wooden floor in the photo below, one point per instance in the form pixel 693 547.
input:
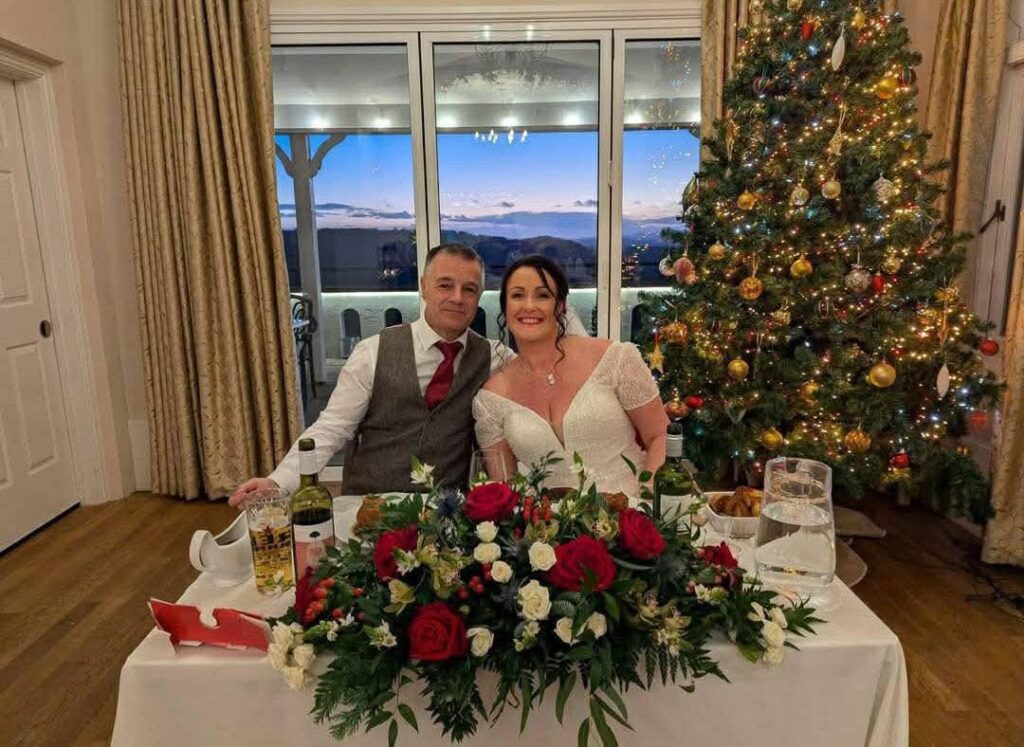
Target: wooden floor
pixel 72 607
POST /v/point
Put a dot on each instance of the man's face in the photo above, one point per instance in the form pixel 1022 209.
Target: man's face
pixel 451 291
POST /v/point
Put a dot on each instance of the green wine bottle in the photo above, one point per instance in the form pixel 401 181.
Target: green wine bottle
pixel 312 513
pixel 672 478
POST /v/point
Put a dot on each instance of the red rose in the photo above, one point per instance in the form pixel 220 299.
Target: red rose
pixel 491 501
pixel 639 536
pixel 383 551
pixel 719 555
pixel 573 561
pixel 436 633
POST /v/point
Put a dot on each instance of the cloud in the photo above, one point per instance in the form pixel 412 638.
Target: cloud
pixel 585 203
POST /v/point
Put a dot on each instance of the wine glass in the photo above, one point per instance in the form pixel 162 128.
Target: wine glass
pixel 487 465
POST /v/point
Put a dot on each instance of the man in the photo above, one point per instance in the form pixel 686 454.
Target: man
pixel 407 391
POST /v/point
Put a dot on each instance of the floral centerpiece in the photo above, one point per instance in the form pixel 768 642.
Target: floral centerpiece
pixel 582 591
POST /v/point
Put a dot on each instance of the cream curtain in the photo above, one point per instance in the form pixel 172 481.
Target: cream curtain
pixel 963 95
pixel 212 289
pixel 1004 534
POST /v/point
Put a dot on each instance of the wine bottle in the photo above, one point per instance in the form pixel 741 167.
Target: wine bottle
pixel 312 513
pixel 673 478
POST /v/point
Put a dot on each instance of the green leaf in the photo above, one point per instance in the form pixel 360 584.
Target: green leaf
pixel 564 691
pixel 632 566
pixel 526 685
pixel 408 715
pixel 379 719
pixel 392 734
pixel 597 714
pixel 611 606
pixel 612 712
pixel 583 735
pixel 645 476
pixel 617 699
pixel 580 653
pixel 632 467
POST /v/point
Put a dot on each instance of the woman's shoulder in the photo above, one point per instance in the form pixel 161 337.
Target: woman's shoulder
pixel 592 348
pixel 498 383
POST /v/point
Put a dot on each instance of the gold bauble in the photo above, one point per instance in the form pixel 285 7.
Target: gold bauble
pixel 751 288
pixel 746 201
pixel 676 333
pixel 831 189
pixel 858 20
pixel 857 441
pixel 882 375
pixel 782 317
pixel 794 5
pixel 716 251
pixel 676 408
pixel 799 196
pixel 738 369
pixel 809 390
pixel 771 439
pixel 801 268
pixel 886 88
pixel 892 264
pixel 947 295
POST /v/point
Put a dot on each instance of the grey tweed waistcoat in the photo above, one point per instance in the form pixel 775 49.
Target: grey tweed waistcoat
pixel 398 425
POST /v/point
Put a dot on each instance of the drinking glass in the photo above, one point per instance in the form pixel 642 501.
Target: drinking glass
pixel 270 532
pixel 487 465
pixel 795 546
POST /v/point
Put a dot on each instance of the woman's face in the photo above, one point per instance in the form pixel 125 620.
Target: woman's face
pixel 530 308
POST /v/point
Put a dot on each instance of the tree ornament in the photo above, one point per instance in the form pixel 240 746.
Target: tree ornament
pixel 656 359
pixel 771 439
pixel 676 408
pixel 756 7
pixel 716 251
pixel 831 189
pixel 806 30
pixel 884 189
pixel 948 294
pixel 738 369
pixel 988 346
pixel 857 441
pixel 761 84
pixel 858 20
pixel 900 460
pixel 801 267
pixel 963 449
pixel 839 51
pixel 694 402
pixel 892 264
pixel 751 288
pixel 886 88
pixel 676 333
pixel 882 375
pixel 835 143
pixel 927 316
pixel 683 268
pixel 691 192
pixel 977 421
pixel 665 267
pixel 690 279
pixel 794 5
pixel 809 390
pixel 908 76
pixel 799 196
pixel 878 284
pixel 746 201
pixel 858 279
pixel 942 381
pixel 782 317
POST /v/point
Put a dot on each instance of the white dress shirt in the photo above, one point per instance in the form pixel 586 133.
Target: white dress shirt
pixel 350 399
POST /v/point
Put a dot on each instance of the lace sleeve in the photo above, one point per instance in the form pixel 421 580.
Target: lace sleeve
pixel 489 419
pixel 635 385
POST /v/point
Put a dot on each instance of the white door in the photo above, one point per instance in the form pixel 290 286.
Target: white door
pixel 35 470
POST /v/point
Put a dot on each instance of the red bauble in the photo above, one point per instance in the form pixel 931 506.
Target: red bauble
pixel 806 30
pixel 988 347
pixel 878 284
pixel 977 420
pixel 900 461
pixel 694 402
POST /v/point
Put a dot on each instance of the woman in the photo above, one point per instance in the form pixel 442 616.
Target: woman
pixel 565 393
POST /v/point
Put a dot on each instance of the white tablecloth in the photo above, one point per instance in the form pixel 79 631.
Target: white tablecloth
pixel 846 686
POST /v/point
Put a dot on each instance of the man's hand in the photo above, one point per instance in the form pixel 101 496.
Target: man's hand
pixel 250 485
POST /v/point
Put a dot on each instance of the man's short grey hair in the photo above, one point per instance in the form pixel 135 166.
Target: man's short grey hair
pixel 456 250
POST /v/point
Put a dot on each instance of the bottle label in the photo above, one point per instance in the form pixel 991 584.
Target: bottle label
pixel 311 543
pixel 673 447
pixel 307 462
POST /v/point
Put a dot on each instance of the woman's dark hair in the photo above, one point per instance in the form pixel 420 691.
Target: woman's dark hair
pixel 548 271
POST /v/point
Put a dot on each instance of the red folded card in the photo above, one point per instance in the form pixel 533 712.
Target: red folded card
pixel 229 628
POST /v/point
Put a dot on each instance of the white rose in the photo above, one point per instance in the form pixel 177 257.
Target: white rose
pixel 486 531
pixel 480 640
pixel 779 618
pixel 598 624
pixel 296 677
pixel 542 556
pixel 534 601
pixel 501 572
pixel 773 634
pixel 758 612
pixel 283 636
pixel 304 655
pixel 278 656
pixel 773 656
pixel 563 629
pixel 487 552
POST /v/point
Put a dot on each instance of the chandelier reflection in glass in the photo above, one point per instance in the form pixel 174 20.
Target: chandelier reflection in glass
pixel 493 137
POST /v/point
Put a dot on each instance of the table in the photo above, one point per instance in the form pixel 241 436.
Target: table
pixel 846 686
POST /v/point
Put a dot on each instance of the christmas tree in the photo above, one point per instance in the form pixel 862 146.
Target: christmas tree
pixel 816 312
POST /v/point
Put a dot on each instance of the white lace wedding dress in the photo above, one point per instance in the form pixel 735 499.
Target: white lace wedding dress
pixel 595 426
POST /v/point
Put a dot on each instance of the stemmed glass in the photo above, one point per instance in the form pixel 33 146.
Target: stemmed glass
pixel 487 465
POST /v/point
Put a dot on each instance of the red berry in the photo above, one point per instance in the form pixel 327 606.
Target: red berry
pixel 463 594
pixel 474 581
pixel 328 583
pixel 357 592
pixel 320 592
pixel 518 532
pixel 486 567
pixel 337 613
pixel 547 514
pixel 487 574
pixel 361 616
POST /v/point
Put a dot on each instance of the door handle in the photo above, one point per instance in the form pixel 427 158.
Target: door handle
pixel 45 328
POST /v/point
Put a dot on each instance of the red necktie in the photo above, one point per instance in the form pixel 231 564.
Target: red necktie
pixel 441 382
